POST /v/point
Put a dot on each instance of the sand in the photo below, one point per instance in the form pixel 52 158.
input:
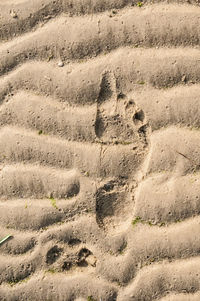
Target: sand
pixel 99 150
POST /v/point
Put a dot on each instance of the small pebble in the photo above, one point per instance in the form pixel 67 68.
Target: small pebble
pixel 13 14
pixel 92 260
pixel 183 79
pixel 60 64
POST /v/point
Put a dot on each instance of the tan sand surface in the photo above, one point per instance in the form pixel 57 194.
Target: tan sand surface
pixel 100 150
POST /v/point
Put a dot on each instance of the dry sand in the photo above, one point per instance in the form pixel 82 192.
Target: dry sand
pixel 99 150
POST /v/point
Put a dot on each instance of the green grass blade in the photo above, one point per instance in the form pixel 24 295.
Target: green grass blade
pixel 4 239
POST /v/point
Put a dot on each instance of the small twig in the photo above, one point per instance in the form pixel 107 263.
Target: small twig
pixel 183 155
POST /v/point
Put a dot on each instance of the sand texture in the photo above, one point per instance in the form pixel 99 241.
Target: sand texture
pixel 100 150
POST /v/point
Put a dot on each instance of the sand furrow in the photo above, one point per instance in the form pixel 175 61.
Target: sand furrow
pixel 73 122
pixel 153 282
pixel 19 214
pixel 162 244
pixel 169 198
pixel 50 255
pixel 49 286
pixel 170 190
pixel 174 149
pixel 19 243
pixel 128 262
pixel 36 182
pixel 24 16
pixel 176 106
pixel 85 230
pixel 47 255
pixel 122 70
pixel 93 123
pixel 17 269
pixel 20 146
pixel 47 116
pixel 182 297
pixel 87 37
